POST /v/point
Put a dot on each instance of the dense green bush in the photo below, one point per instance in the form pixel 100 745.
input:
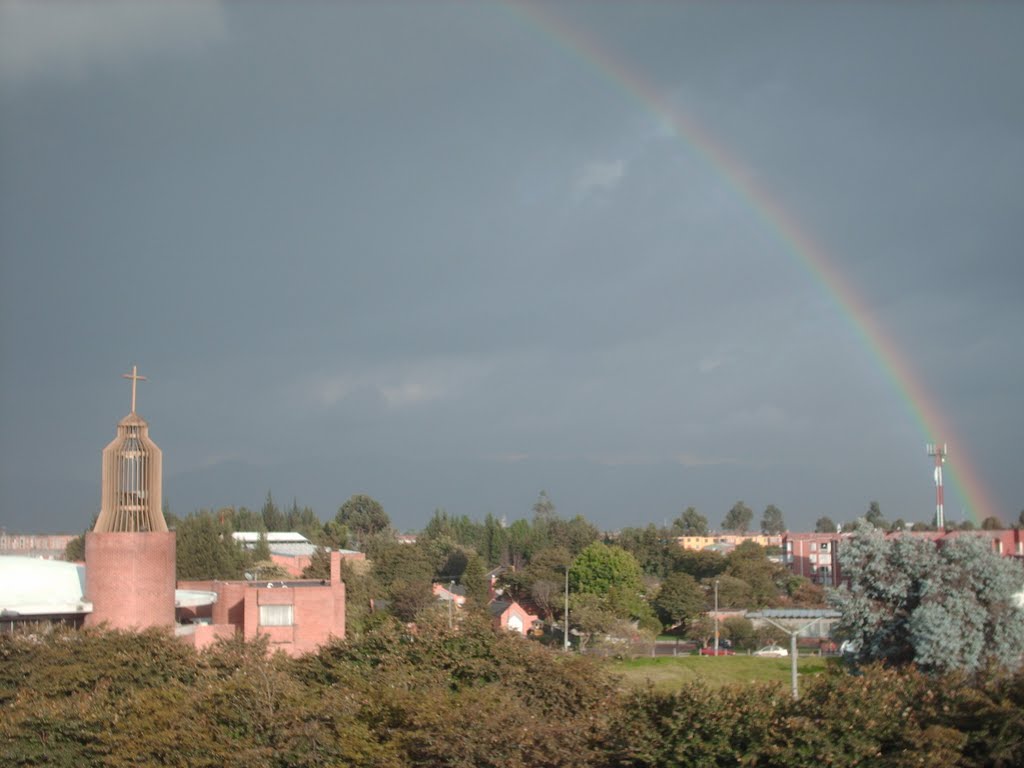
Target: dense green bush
pixel 465 697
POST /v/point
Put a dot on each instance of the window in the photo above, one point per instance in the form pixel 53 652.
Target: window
pixel 824 546
pixel 276 616
pixel 814 546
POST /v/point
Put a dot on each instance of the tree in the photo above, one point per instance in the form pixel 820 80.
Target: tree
pixel 474 582
pixel 600 567
pixel 362 516
pixel 771 521
pixel 991 523
pixel 679 600
pixel 273 518
pixel 74 551
pixel 942 608
pixel 739 517
pixel 825 525
pixel 691 523
pixel 543 507
pixel 319 565
pixel 749 562
pixel 874 516
pixel 699 563
pixel 205 549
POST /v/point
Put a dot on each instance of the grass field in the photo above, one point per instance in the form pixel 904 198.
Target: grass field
pixel 669 673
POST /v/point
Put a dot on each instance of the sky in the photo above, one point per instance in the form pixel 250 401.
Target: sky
pixel 642 256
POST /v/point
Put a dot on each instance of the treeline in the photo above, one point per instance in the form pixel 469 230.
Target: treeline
pixel 632 584
pixel 464 697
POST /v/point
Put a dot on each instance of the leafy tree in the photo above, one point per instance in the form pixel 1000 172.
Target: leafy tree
pixel 494 542
pixel 303 521
pixel 740 631
pixel 600 567
pixel 991 523
pixel 319 565
pixel 679 600
pixel 575 535
pixel 362 516
pixel 205 549
pixel 943 608
pixel 749 562
pixel 691 523
pixel 824 525
pixel 732 592
pixel 474 581
pixel 261 551
pixel 874 516
pixel 543 507
pixel 771 521
pixel 739 517
pixel 520 543
pixel 650 547
pixel 74 551
pixel 699 563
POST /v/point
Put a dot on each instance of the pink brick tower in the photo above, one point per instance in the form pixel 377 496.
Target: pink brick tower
pixel 130 554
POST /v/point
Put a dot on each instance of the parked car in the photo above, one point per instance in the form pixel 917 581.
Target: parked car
pixel 710 651
pixel 776 651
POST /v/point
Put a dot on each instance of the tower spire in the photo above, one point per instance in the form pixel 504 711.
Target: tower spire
pixel 134 376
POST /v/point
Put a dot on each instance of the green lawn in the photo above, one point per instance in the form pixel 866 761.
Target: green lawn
pixel 669 673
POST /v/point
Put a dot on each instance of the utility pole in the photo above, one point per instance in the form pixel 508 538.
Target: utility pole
pixel 565 623
pixel 716 617
pixel 939 452
pixel 451 599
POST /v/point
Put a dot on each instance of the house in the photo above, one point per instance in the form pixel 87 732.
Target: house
pixel 450 593
pixel 510 615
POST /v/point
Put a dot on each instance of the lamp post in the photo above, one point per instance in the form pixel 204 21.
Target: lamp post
pixel 716 617
pixel 451 599
pixel 565 627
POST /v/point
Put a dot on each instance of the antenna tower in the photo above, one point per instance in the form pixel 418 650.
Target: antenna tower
pixel 939 452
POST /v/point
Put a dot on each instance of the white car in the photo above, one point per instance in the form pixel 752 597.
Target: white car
pixel 772 650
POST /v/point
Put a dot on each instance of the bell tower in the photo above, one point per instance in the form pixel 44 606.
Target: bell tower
pixel 130 554
pixel 132 474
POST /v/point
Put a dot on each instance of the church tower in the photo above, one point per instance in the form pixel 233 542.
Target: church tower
pixel 130 554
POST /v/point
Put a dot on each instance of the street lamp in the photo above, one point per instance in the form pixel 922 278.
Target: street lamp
pixel 565 627
pixel 716 617
pixel 451 599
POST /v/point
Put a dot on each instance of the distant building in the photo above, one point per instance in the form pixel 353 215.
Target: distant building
pixel 289 549
pixel 48 546
pixel 510 615
pixel 816 555
pixel 727 541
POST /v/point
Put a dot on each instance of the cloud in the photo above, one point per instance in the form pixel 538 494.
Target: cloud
pixel 711 363
pixel 760 417
pixel 692 460
pixel 598 177
pixel 69 40
pixel 398 386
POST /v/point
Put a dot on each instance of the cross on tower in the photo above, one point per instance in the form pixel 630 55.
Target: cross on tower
pixel 134 376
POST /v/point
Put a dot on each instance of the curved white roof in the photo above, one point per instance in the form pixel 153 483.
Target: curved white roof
pixel 32 586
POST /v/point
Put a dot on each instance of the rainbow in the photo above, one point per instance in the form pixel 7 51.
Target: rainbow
pixel 924 408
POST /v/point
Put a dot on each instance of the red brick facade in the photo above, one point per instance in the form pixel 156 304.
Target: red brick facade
pixel 129 578
pixel 317 610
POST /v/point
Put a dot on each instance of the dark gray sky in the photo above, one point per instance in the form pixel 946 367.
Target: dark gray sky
pixel 434 253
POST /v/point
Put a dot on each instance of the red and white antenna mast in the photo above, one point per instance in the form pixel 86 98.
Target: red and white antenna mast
pixel 939 452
